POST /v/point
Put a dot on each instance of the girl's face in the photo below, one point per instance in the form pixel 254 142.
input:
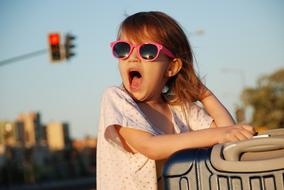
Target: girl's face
pixel 142 79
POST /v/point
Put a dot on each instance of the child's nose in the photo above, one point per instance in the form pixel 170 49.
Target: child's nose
pixel 134 55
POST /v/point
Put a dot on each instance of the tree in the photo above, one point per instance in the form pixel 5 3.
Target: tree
pixel 266 101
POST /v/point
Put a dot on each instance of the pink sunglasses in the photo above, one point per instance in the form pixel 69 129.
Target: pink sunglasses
pixel 148 51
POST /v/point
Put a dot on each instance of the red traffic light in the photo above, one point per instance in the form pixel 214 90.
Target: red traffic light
pixel 54 47
pixel 54 39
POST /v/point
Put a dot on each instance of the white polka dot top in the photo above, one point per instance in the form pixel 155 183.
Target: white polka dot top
pixel 118 169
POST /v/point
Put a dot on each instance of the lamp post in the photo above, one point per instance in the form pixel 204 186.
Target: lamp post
pixel 239 109
pixel 239 72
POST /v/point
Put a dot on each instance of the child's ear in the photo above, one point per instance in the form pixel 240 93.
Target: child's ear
pixel 174 67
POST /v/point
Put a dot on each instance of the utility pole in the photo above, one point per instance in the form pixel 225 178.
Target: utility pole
pixel 57 51
pixel 24 56
pixel 239 72
pixel 240 113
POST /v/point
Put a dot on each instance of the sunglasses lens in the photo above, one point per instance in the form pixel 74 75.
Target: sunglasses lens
pixel 148 51
pixel 121 50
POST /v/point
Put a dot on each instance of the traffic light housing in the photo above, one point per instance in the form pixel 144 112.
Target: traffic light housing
pixel 54 47
pixel 69 46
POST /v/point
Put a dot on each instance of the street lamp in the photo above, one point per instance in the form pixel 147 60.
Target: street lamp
pixel 239 109
pixel 239 72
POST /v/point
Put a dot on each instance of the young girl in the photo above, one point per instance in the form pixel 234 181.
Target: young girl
pixel 153 114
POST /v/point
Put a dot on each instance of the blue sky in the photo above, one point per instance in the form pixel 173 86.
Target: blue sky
pixel 242 41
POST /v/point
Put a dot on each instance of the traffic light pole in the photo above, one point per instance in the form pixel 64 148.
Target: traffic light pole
pixel 22 57
pixel 57 51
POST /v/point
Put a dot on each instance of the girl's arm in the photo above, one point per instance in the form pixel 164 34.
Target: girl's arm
pixel 217 110
pixel 162 146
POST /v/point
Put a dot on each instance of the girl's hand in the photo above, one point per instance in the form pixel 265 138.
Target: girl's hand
pixel 235 133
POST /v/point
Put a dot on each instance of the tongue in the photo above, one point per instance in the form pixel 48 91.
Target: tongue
pixel 135 83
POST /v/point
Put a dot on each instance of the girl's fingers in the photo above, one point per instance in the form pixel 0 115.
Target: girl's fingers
pixel 237 133
pixel 232 135
pixel 246 133
pixel 240 136
pixel 241 132
pixel 233 138
pixel 249 128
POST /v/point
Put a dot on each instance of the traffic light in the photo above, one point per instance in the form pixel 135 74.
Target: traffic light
pixel 54 47
pixel 69 46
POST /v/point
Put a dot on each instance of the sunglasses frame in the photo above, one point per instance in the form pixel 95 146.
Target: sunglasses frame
pixel 160 48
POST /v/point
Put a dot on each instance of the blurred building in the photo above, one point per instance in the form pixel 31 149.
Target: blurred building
pixel 88 142
pixel 8 133
pixel 30 125
pixel 87 149
pixel 57 135
pixel 31 151
pixel 20 133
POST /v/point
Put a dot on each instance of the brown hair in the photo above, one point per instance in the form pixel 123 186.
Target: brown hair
pixel 185 87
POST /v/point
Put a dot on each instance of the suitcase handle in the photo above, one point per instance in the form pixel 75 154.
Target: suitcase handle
pixel 233 151
pixel 232 163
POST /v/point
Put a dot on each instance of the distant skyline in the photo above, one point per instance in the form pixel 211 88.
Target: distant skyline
pixel 240 41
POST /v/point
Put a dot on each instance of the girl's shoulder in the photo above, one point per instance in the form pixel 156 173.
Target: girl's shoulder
pixel 193 115
pixel 117 93
pixel 191 110
pixel 190 107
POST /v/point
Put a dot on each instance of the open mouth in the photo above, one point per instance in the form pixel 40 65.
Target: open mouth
pixel 135 79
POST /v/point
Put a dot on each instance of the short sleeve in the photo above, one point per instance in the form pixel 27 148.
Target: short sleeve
pixel 198 118
pixel 118 108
